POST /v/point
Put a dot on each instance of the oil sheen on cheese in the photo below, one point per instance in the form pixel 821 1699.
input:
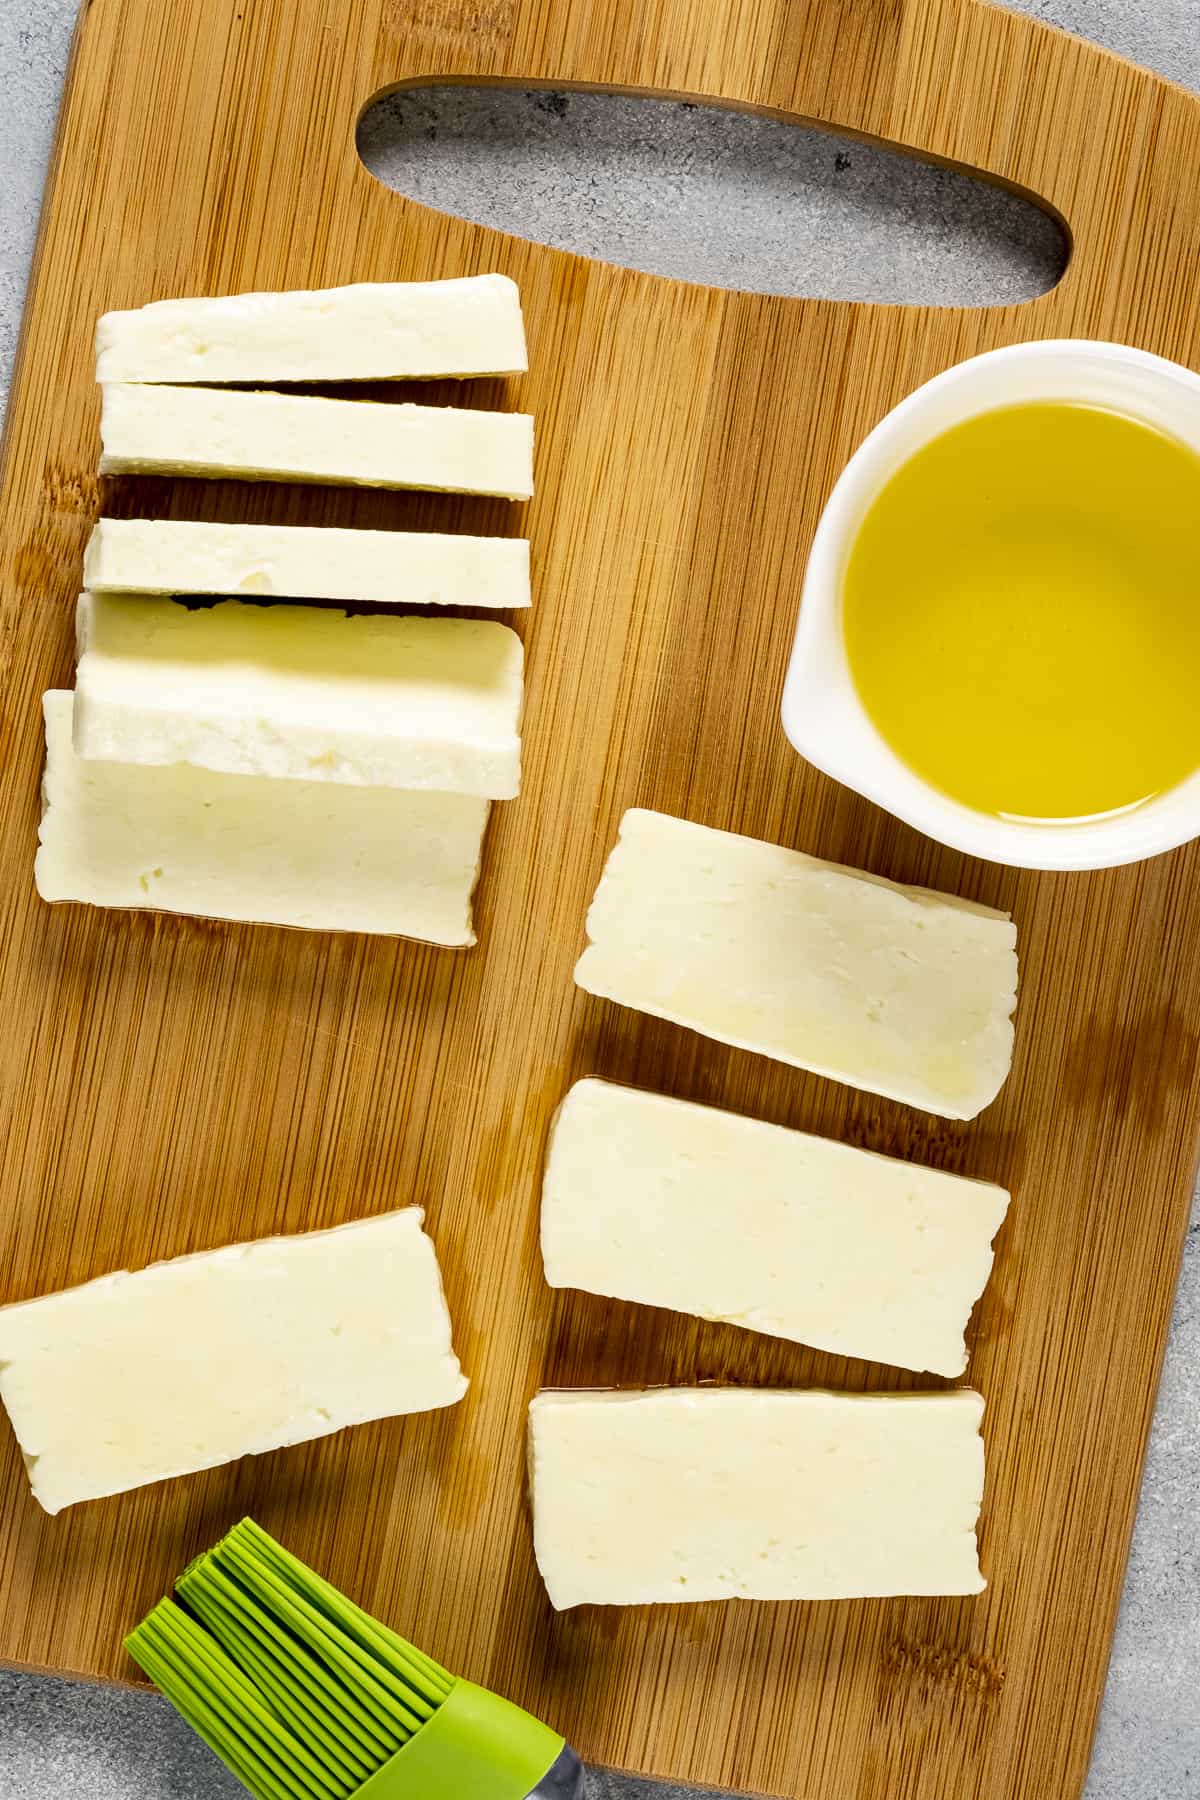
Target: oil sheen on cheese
pixel 1021 610
pixel 896 990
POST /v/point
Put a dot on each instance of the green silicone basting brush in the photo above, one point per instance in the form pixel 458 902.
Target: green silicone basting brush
pixel 306 1697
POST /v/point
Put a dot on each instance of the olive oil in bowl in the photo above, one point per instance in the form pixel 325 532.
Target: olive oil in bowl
pixel 1021 612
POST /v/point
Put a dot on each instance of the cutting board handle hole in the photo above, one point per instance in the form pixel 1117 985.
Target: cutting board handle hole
pixel 703 193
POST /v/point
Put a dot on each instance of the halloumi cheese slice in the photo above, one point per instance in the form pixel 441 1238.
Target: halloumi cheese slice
pixel 301 693
pixel 245 435
pixel 742 1494
pixel 381 330
pixel 671 1204
pixel 897 990
pixel 139 1377
pixel 389 568
pixel 178 839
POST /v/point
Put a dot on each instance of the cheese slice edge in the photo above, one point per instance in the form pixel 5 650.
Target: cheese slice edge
pixel 386 568
pixel 466 326
pixel 251 435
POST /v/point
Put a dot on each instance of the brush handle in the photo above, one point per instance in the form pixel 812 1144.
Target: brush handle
pixel 563 1780
pixel 479 1746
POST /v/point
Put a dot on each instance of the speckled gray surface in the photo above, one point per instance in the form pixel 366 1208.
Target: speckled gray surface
pixel 817 229
pixel 799 211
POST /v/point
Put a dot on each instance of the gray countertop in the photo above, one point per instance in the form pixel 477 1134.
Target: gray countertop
pixel 883 229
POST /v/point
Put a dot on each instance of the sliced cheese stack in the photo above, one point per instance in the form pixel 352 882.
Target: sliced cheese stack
pixel 659 1201
pixel 287 764
pixel 419 716
pixel 898 990
pixel 135 1378
pixel 685 1494
pixel 152 423
pixel 283 764
pixel 301 693
pixel 174 838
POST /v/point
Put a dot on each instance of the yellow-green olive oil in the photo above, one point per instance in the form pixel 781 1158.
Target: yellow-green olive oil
pixel 1021 609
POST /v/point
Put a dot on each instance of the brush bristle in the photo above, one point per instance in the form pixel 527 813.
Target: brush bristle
pixel 302 1694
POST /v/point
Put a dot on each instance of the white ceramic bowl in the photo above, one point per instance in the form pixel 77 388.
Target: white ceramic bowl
pixel 822 713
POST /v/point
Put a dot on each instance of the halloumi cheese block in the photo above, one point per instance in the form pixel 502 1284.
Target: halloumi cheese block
pixel 244 435
pixel 739 1493
pixel 373 330
pixel 671 1204
pixel 389 568
pixel 187 1364
pixel 301 693
pixel 178 839
pixel 898 990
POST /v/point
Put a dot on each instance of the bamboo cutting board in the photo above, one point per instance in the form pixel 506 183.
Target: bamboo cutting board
pixel 169 1085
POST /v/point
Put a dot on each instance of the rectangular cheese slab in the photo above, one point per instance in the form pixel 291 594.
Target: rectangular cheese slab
pixel 671 1204
pixel 374 330
pixel 177 839
pixel 388 568
pixel 301 693
pixel 244 435
pixel 681 1494
pixel 136 1378
pixel 898 990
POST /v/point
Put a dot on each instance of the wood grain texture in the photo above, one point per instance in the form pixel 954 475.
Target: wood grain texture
pixel 170 1085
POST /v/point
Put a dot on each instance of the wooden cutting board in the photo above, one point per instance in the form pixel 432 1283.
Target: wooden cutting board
pixel 169 1085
